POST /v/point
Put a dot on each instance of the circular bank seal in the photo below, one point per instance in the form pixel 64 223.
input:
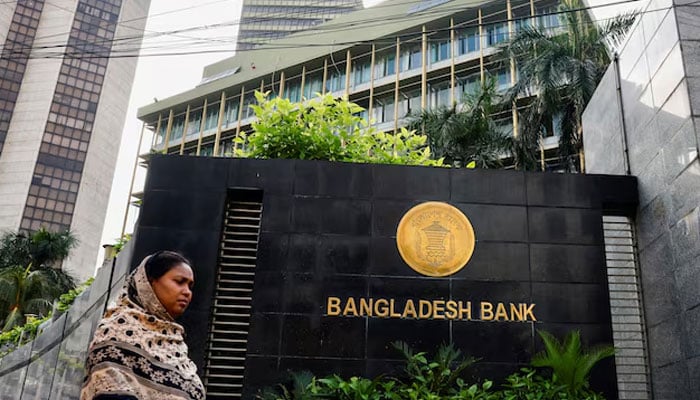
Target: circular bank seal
pixel 435 239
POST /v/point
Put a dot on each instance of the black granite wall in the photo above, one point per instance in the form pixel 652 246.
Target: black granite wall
pixel 328 229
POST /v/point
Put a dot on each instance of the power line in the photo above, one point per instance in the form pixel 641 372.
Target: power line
pixel 336 28
pixel 116 52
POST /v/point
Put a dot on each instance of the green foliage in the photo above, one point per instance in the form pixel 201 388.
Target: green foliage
pixel 21 334
pixel 568 361
pixel 121 242
pixel 442 377
pixel 466 134
pixel 561 71
pixel 325 128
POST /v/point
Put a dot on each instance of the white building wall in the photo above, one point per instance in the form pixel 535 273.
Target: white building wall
pixel 29 118
pixel 96 182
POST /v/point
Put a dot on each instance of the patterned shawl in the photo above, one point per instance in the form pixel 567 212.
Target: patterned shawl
pixel 138 350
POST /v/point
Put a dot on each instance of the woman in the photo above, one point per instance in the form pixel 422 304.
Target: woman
pixel 138 351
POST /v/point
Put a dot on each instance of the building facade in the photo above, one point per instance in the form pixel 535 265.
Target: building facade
pixel 392 59
pixel 63 99
pixel 643 121
pixel 265 20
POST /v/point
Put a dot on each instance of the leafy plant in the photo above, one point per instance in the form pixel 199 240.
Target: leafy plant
pixel 121 242
pixel 570 363
pixel 325 128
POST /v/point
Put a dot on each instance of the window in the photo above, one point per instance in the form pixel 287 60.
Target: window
pixel 212 117
pixel 293 92
pixel 176 130
pixel 468 41
pixel 411 59
pixel 312 86
pixel 336 80
pixel 361 73
pixel 195 121
pixel 439 51
pixel 497 33
pixel 231 113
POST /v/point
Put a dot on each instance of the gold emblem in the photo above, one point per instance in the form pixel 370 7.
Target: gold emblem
pixel 435 239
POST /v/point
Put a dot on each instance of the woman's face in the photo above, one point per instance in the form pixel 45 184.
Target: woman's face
pixel 174 289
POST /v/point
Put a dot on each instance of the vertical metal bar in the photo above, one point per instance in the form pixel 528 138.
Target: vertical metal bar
pixel 281 90
pixel 482 41
pixel 133 177
pixel 157 132
pixel 217 138
pixel 168 128
pixel 325 76
pixel 303 81
pixel 511 33
pixel 424 70
pixel 348 71
pixel 202 124
pixel 184 130
pixel 262 86
pixel 397 66
pixel 240 118
pixel 453 97
pixel 371 85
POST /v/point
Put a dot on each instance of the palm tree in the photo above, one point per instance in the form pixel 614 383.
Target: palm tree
pixel 30 279
pixel 561 70
pixel 41 248
pixel 27 290
pixel 465 133
pixel 568 361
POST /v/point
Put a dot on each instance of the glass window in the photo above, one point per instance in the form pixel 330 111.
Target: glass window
pixel 231 114
pixel 468 41
pixel 440 51
pixel 176 130
pixel 195 121
pixel 497 33
pixel 361 73
pixel 312 86
pixel 293 92
pixel 212 117
pixel 336 81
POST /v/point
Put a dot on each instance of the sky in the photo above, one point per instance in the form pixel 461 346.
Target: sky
pixel 164 76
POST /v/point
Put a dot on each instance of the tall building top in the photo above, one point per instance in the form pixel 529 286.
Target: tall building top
pixel 265 20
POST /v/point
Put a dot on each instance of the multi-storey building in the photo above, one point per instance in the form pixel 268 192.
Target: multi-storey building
pixel 265 20
pixel 393 59
pixel 63 99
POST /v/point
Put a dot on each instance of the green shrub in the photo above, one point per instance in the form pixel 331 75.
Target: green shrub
pixel 325 128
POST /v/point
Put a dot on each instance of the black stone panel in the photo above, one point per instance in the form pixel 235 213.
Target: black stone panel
pixel 561 190
pixel 565 225
pixel 312 335
pixel 307 293
pixel 568 263
pixel 509 342
pixel 571 303
pixel 487 186
pixel 183 210
pixel 496 223
pixel 274 176
pixel 421 335
pixel 497 261
pixel 188 174
pixel 328 229
pixel 415 183
pixel 320 178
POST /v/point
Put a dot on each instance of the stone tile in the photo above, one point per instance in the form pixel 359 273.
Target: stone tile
pixel 687 16
pixel 680 150
pixel 659 288
pixel 688 276
pixel 685 195
pixel 654 219
pixel 691 57
pixel 632 52
pixel 685 238
pixel 675 111
pixel 668 76
pixel 665 343
pixel 661 41
pixel 691 325
pixel 671 382
pixel 651 179
pixel 651 20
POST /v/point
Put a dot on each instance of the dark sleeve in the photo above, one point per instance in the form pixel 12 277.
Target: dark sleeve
pixel 114 397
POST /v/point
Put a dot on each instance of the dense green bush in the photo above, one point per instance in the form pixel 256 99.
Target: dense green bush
pixel 325 128
pixel 445 377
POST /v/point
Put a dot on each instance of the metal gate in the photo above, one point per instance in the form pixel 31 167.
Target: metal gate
pixel 631 361
pixel 230 315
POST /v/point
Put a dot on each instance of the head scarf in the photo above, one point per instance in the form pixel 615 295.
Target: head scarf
pixel 139 350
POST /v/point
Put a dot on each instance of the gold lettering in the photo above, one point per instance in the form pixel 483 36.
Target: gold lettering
pixel 528 310
pixel 451 312
pixel 438 309
pixel 381 308
pixel 409 308
pixel 486 311
pixel 463 310
pixel 501 312
pixel 350 308
pixel 333 307
pixel 515 314
pixel 393 314
pixel 366 307
pixel 424 313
